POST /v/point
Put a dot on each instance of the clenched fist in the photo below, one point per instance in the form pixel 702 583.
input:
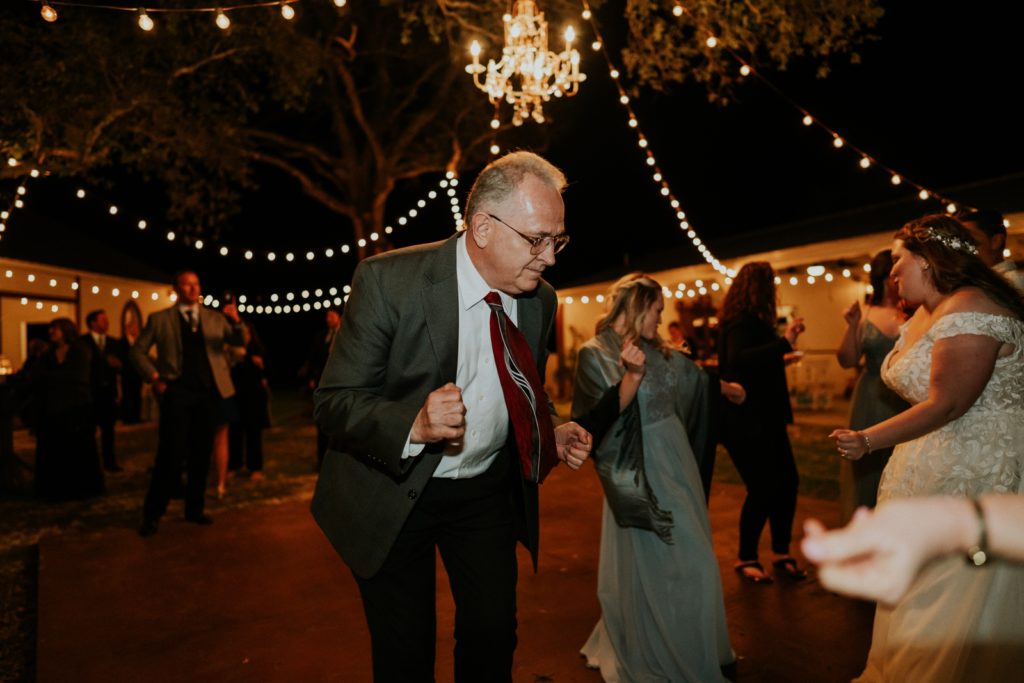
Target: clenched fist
pixel 443 416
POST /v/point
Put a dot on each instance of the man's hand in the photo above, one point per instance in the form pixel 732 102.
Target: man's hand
pixel 573 443
pixel 231 311
pixel 443 416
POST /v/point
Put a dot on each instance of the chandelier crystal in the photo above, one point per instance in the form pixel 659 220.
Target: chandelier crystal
pixel 528 74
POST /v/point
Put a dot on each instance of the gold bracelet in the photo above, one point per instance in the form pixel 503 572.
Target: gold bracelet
pixel 977 554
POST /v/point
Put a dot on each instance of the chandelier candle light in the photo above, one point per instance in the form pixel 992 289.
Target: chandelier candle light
pixel 528 74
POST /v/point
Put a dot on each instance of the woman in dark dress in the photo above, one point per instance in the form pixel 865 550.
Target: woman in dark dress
pixel 67 462
pixel 246 434
pixel 753 354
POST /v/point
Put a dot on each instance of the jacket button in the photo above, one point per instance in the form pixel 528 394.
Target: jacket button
pixel 412 494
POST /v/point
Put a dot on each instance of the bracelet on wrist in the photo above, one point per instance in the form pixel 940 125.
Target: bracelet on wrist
pixel 977 554
pixel 867 442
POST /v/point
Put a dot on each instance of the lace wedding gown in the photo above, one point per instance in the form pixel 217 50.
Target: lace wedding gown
pixel 957 623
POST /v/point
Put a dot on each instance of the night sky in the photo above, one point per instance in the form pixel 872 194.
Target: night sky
pixel 933 98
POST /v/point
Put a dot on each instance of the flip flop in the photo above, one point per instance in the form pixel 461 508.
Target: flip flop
pixel 748 576
pixel 789 569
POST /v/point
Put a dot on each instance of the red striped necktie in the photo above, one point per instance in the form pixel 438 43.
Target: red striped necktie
pixel 525 398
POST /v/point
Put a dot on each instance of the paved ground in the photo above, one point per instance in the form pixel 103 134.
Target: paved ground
pixel 260 596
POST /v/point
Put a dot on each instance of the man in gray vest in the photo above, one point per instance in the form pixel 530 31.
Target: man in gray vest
pixel 191 378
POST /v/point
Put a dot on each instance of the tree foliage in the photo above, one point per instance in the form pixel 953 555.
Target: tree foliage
pixel 348 102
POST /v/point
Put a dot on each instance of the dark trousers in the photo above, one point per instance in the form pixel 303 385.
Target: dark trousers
pixel 321 447
pixel 187 421
pixel 471 523
pixel 104 417
pixel 245 445
pixel 764 458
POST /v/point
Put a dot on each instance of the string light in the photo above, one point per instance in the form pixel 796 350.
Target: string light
pixel 643 141
pixel 837 140
pixel 447 186
pixel 146 23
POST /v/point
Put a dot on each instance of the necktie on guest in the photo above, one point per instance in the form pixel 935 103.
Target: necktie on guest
pixel 191 317
pixel 525 398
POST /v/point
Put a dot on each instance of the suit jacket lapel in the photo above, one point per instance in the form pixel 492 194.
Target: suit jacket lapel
pixel 530 324
pixel 441 309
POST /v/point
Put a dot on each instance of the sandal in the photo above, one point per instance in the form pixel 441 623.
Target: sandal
pixel 789 569
pixel 757 573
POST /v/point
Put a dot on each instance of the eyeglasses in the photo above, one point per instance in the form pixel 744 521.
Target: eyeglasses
pixel 538 243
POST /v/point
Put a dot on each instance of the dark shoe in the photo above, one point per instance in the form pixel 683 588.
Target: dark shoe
pixel 789 569
pixel 114 468
pixel 753 572
pixel 204 520
pixel 147 529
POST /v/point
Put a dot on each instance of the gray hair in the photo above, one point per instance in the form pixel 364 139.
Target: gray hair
pixel 502 176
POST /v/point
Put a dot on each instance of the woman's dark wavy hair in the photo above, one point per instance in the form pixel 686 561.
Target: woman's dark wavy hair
pixel 67 327
pixel 881 267
pixel 752 292
pixel 950 269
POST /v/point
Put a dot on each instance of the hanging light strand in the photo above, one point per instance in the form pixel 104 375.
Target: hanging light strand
pixel 446 187
pixel 866 160
pixel 642 141
pixel 146 23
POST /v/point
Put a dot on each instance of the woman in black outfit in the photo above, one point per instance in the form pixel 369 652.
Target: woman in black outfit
pixel 753 354
pixel 67 461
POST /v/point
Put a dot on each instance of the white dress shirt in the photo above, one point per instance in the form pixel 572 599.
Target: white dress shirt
pixel 476 376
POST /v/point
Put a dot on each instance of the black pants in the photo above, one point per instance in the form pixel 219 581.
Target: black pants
pixel 187 421
pixel 322 441
pixel 764 458
pixel 104 417
pixel 245 445
pixel 471 523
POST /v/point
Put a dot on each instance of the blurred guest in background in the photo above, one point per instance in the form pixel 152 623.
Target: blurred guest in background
pixel 106 356
pixel 317 359
pixel 67 463
pixel 988 228
pixel 870 334
pixel 246 435
pixel 192 377
pixel 752 354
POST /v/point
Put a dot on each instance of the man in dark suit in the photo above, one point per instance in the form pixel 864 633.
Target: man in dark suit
pixel 106 355
pixel 314 368
pixel 192 378
pixel 424 453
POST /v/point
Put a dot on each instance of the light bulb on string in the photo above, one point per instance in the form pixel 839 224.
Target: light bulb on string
pixel 145 23
pixel 596 45
pixel 711 41
pixel 807 120
pixel 837 142
pixel 865 162
pixel 586 14
pixel 340 3
pixel 287 12
pixel 923 194
pixel 222 21
pixel 48 13
pixel 896 180
pixel 744 70
pixel 677 10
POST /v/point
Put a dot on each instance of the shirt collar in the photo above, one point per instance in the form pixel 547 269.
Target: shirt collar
pixel 185 307
pixel 472 286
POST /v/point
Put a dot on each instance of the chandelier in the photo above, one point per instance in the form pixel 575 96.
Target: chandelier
pixel 528 74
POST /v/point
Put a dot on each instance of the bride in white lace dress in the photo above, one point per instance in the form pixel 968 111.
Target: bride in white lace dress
pixel 959 361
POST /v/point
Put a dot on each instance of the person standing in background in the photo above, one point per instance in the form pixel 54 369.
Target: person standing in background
pixel 192 379
pixel 105 363
pixel 318 353
pixel 870 334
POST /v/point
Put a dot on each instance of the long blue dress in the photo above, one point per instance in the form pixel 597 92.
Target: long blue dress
pixel 663 616
pixel 872 402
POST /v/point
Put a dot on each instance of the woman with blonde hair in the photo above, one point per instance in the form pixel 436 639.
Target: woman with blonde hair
pixel 662 612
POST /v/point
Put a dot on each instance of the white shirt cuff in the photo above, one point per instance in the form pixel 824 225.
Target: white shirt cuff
pixel 412 449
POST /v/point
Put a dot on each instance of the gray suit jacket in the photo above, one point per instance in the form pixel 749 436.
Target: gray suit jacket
pixel 399 342
pixel 163 328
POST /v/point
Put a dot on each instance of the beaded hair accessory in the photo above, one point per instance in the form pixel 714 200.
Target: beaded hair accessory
pixel 950 242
